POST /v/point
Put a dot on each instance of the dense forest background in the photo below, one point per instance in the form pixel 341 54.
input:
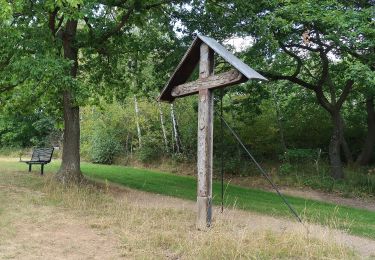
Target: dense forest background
pixel 264 115
pixel 316 110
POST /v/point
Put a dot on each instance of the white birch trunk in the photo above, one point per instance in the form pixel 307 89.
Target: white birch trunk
pixel 163 127
pixel 175 130
pixel 137 121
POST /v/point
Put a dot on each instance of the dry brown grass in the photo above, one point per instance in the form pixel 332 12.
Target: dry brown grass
pixel 153 232
pixel 108 222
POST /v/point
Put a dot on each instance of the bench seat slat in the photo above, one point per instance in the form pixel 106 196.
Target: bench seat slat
pixel 40 156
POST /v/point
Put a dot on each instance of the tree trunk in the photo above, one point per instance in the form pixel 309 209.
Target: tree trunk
pixel 176 131
pixel 345 148
pixel 279 121
pixel 127 144
pixel 368 147
pixel 163 127
pixel 334 146
pixel 172 141
pixel 137 121
pixel 70 170
pixel 344 145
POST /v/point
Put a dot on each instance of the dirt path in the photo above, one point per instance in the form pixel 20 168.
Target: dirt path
pixel 45 232
pixel 251 221
pixel 363 203
pixel 58 236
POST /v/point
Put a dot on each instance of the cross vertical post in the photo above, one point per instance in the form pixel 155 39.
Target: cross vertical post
pixel 205 140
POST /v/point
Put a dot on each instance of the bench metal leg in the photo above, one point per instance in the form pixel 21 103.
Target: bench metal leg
pixel 42 169
pixel 29 167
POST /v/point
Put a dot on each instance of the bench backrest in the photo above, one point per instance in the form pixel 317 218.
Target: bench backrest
pixel 42 154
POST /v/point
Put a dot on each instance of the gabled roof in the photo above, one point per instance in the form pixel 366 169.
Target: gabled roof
pixel 191 58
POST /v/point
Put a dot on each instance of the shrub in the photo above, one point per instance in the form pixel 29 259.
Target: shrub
pixel 105 146
pixel 300 155
pixel 286 169
pixel 152 148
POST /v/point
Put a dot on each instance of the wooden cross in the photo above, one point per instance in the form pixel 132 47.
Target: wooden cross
pixel 202 51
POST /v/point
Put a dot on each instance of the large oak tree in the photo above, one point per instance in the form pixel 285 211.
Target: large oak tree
pixel 73 36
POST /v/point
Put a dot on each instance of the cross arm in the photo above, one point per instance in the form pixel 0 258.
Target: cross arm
pixel 225 79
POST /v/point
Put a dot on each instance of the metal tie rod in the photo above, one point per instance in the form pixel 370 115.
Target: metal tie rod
pixel 260 169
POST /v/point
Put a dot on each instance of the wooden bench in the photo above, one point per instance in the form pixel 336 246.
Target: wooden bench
pixel 40 156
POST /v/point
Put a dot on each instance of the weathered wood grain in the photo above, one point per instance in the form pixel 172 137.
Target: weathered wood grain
pixel 225 79
pixel 205 141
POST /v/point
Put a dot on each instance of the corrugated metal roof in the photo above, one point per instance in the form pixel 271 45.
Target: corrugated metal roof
pixel 191 58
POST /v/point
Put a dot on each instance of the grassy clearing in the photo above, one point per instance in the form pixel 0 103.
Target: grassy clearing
pixel 141 231
pixel 356 221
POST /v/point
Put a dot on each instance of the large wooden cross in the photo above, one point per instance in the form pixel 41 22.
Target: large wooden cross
pixel 202 51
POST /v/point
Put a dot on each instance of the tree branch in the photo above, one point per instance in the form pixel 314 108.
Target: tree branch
pixel 8 87
pixel 6 62
pixel 299 46
pixel 59 24
pixel 146 7
pixel 86 19
pixel 52 21
pixel 293 79
pixel 345 93
pixel 309 72
pixel 124 18
pixel 325 68
pixel 318 40
pixel 326 79
pixel 323 101
pixel 318 91
pixel 295 56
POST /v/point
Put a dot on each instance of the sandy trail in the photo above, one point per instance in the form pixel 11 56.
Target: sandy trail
pixel 252 221
pixel 362 203
pixel 48 232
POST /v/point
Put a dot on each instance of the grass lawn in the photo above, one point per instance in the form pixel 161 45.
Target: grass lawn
pixel 355 221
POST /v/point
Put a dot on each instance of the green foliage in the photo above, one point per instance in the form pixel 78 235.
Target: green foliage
pixel 5 10
pixel 318 46
pixel 19 130
pixel 301 155
pixel 358 181
pixel 101 134
pixel 152 148
pixel 286 169
pixel 104 146
pixel 271 118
